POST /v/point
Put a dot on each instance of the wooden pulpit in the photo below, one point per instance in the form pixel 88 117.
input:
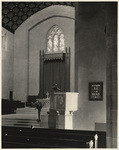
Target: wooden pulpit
pixel 62 106
pixel 64 101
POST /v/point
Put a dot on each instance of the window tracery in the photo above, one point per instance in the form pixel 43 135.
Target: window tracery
pixel 55 40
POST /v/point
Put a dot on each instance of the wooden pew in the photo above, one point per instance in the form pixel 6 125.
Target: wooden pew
pixel 17 137
pixel 8 107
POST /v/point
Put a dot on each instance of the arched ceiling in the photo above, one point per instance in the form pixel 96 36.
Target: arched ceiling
pixel 15 13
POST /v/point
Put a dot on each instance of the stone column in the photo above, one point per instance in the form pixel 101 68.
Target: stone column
pixel 111 74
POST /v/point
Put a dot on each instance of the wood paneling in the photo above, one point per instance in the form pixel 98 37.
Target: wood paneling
pixel 54 70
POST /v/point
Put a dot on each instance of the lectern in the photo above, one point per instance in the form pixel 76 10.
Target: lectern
pixel 62 106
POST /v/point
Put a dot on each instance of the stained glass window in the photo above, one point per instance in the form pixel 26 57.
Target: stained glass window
pixel 61 42
pixel 55 40
pixel 49 45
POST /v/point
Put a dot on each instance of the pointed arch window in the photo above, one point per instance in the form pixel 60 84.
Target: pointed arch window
pixel 55 40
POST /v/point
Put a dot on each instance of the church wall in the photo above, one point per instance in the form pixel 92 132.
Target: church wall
pixel 7 64
pixel 20 64
pixel 26 79
pixel 90 66
pixel 38 41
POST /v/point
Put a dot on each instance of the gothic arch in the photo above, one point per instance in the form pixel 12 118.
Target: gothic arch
pixel 55 40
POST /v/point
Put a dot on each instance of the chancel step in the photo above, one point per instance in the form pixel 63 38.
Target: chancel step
pixel 25 117
pixel 28 110
pixel 23 123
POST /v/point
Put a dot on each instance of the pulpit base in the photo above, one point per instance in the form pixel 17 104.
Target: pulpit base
pixel 61 121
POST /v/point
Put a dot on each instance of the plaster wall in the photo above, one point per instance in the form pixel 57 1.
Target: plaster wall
pixel 38 41
pixel 7 64
pixel 90 54
pixel 29 39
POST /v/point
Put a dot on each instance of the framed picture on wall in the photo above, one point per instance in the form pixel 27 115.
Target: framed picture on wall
pixel 95 91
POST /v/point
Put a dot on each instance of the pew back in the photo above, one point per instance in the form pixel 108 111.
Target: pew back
pixel 21 137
